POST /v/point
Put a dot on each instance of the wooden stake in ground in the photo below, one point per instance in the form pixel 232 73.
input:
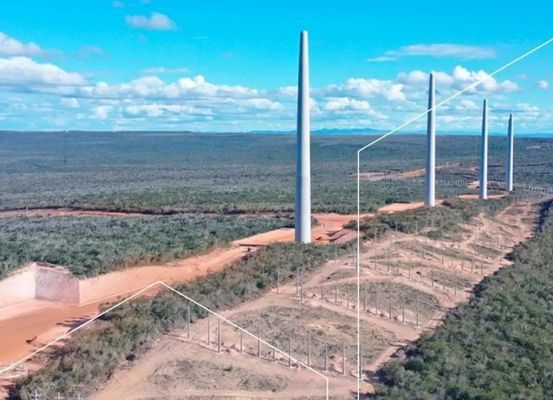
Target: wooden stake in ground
pixel 326 353
pixel 308 348
pixel 278 280
pixel 188 320
pixel 208 330
pixel 241 341
pixel 290 348
pixel 403 309
pixel 218 335
pixel 258 341
pixel 344 359
pixel 301 286
pixel 376 301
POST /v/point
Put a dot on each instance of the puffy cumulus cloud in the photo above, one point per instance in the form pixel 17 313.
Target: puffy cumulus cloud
pixel 13 47
pixel 463 77
pixel 288 91
pixel 361 87
pixel 102 111
pixel 418 77
pixel 458 79
pixel 543 85
pixel 346 104
pixel 156 22
pixel 24 72
pixel 155 88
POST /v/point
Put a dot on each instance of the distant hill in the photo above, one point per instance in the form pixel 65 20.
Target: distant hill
pixel 335 131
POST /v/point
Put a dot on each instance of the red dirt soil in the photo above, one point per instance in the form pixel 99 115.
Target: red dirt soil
pixel 24 319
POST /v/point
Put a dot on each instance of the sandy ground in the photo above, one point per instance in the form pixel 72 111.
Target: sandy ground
pixel 400 175
pixel 140 380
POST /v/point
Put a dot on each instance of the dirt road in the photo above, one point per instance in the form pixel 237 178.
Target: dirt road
pixel 389 326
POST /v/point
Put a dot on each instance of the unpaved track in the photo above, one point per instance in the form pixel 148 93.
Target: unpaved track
pixel 514 224
pixel 23 319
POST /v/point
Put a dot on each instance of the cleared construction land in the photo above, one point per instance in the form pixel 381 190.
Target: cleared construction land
pixel 320 330
pixel 409 281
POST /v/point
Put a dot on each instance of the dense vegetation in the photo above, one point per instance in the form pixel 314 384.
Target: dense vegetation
pixel 225 172
pixel 498 346
pixel 94 245
pixel 123 334
pixel 439 221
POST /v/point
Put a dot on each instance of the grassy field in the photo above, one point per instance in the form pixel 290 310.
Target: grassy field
pixel 94 245
pixel 498 346
pixel 226 172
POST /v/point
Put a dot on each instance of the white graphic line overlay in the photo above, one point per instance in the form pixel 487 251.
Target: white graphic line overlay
pixel 138 293
pixel 403 125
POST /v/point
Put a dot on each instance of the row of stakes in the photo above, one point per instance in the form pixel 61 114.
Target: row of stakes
pixel 287 355
pixel 433 282
pixel 299 287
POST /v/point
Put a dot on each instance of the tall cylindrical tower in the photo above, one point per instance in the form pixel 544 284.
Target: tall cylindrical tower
pixel 303 148
pixel 509 160
pixel 430 167
pixel 484 154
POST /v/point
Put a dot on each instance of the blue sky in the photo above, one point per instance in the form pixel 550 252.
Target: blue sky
pixel 232 65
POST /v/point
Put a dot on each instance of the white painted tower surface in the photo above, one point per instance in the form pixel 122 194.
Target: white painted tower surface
pixel 484 154
pixel 509 160
pixel 430 166
pixel 303 151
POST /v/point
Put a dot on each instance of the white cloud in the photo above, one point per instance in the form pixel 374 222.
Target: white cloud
pixel 462 51
pixel 23 71
pixel 164 70
pixel 13 47
pixel 158 110
pixel 345 103
pixel 463 77
pixel 543 85
pixel 381 59
pixel 156 21
pixel 118 4
pixel 70 102
pixel 459 78
pixel 361 87
pixel 102 112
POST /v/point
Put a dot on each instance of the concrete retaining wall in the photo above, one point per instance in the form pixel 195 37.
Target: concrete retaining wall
pixel 56 284
pixel 39 281
pixel 19 285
